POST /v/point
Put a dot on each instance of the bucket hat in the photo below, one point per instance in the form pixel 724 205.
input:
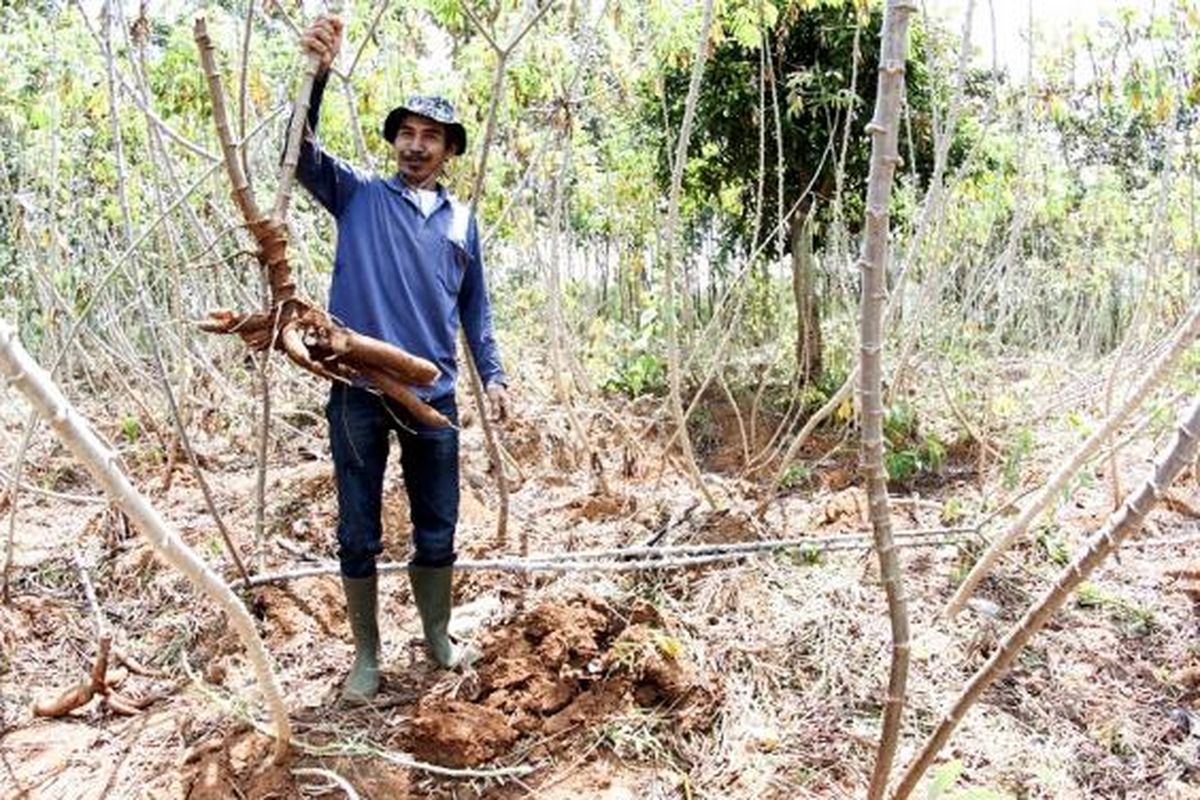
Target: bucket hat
pixel 436 108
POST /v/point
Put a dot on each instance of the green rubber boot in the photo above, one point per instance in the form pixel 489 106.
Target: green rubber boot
pixel 362 600
pixel 431 590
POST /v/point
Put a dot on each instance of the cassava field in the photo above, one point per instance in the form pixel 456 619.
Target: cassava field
pixel 853 383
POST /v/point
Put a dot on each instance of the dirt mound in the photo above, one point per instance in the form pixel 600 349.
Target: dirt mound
pixel 564 666
pixel 238 765
pixel 598 506
pixel 727 527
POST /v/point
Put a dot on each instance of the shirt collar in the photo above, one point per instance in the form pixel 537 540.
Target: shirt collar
pixel 397 184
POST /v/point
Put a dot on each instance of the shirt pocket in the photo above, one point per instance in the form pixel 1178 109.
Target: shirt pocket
pixel 452 265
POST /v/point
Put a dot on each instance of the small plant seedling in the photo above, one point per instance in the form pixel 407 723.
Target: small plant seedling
pixel 1014 457
pixel 1052 543
pixel 668 646
pixel 131 429
pixel 1135 619
pixel 796 475
pixel 1088 595
pixel 215 547
pixel 952 511
pixel 811 556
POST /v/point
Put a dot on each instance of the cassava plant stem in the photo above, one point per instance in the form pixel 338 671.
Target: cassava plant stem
pixel 102 463
pixel 1120 527
pixel 1185 334
pixel 674 367
pixel 490 436
pixel 884 130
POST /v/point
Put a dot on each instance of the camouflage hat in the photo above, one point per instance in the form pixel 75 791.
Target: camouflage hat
pixel 436 108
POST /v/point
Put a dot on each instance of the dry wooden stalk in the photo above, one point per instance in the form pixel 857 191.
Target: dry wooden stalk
pixel 885 156
pixel 305 333
pixel 674 368
pixel 105 468
pixel 495 450
pixel 1185 334
pixel 1120 527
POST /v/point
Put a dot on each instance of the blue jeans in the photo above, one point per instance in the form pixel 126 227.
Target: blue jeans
pixel 359 425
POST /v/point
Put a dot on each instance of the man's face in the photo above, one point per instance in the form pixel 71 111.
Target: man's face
pixel 421 150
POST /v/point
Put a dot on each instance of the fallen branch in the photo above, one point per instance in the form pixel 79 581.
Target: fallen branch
pixel 104 466
pixel 635 559
pixel 1121 526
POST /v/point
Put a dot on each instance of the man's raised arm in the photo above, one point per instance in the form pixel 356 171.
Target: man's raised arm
pixel 327 178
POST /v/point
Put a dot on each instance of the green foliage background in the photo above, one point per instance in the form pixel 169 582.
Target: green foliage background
pixel 1052 190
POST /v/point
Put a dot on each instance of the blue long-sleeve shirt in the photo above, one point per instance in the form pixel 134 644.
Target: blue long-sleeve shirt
pixel 398 275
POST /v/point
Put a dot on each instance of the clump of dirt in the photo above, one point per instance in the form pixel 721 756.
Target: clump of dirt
pixel 598 506
pixel 524 441
pixel 238 765
pixel 847 509
pixel 727 527
pixel 290 608
pixel 459 734
pixel 567 665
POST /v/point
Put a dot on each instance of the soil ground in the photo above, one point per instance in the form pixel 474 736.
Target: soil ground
pixel 757 679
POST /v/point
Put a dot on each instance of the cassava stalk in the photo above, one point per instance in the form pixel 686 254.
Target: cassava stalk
pixel 67 341
pixel 177 413
pixel 884 129
pixel 672 223
pixel 309 336
pixel 655 557
pixel 243 195
pixel 931 210
pixel 490 437
pixel 1185 334
pixel 1119 528
pixel 291 156
pixel 102 463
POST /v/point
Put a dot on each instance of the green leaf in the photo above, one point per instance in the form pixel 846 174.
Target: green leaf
pixel 944 777
pixel 979 793
pixel 743 27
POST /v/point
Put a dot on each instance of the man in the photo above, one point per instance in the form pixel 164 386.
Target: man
pixel 407 268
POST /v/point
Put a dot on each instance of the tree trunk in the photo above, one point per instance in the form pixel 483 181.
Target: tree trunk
pixel 809 348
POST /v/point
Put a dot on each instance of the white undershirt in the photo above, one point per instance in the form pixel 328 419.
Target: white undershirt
pixel 426 200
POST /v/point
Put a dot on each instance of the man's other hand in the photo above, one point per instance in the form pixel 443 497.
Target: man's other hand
pixel 323 39
pixel 498 400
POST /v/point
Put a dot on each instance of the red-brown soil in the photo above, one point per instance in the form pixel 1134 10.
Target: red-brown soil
pixel 760 679
pixel 562 669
